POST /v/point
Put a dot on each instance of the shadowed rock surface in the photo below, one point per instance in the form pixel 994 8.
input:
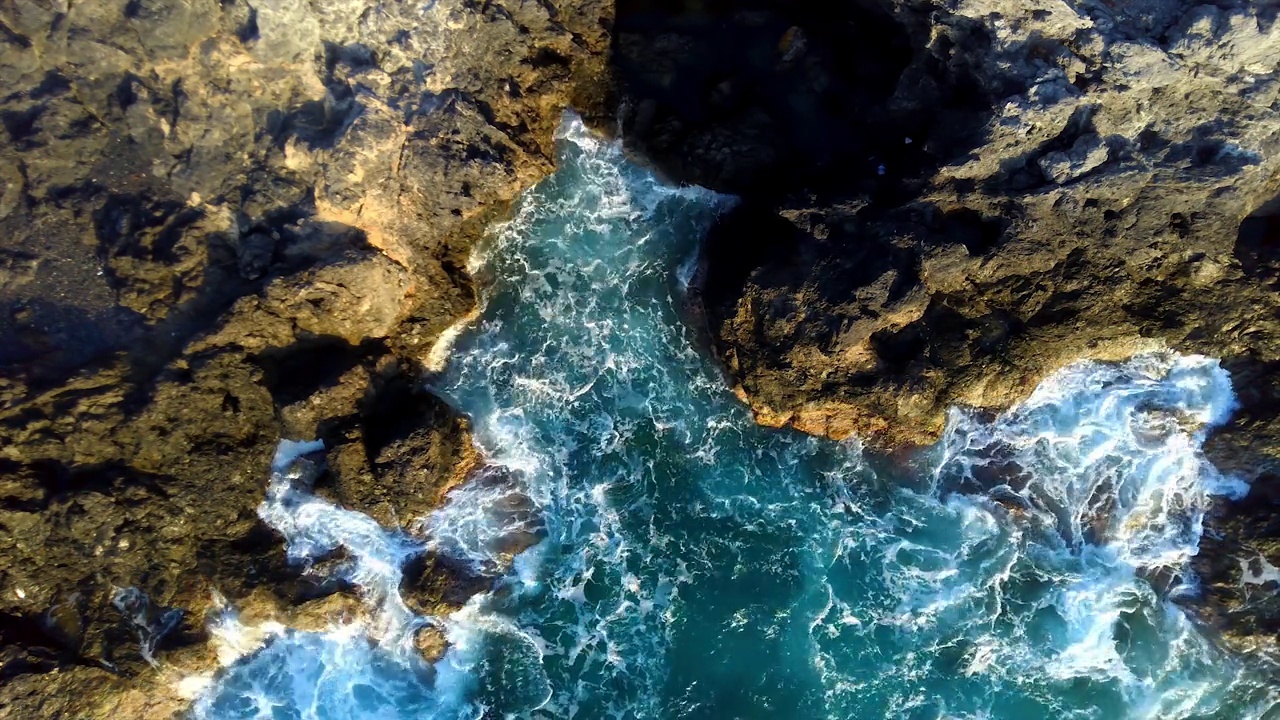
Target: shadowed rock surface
pixel 226 223
pixel 944 202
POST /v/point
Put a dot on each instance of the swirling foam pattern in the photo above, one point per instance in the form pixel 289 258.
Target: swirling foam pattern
pixel 689 564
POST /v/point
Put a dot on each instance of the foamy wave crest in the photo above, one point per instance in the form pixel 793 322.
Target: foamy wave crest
pixel 314 528
pixel 363 667
pixel 319 676
pixel 486 522
pixel 1110 450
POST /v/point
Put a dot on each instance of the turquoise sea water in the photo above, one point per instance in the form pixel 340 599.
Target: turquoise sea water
pixel 690 564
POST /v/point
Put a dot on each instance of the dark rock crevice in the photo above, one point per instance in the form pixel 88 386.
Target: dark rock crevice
pixel 1257 246
pixel 759 99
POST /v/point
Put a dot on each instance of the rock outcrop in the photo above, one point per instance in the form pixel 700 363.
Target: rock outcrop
pixel 944 202
pixel 227 223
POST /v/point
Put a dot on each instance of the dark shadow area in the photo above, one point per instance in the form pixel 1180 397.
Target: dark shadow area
pixel 48 332
pixel 758 97
pixel 40 650
pixel 1209 156
pixel 942 336
pixel 259 559
pixel 21 125
pixel 1257 245
pixel 977 233
pixel 1022 172
pixel 399 406
pixel 33 486
pixel 248 33
pixel 281 242
pixel 296 372
pixel 322 123
pixel 742 230
pixel 141 228
pixel 43 342
pixel 829 122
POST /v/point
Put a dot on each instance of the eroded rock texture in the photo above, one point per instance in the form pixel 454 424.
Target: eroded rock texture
pixel 225 223
pixel 944 201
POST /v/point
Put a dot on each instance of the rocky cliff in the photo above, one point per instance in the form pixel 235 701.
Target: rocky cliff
pixel 229 222
pixel 225 223
pixel 945 201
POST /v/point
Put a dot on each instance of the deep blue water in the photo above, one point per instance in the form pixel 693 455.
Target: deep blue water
pixel 690 564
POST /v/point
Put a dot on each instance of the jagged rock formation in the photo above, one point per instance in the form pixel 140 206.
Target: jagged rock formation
pixel 944 201
pixel 227 223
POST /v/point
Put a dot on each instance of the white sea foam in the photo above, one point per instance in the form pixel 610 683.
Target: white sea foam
pixel 485 522
pixel 1101 482
pixel 438 356
pixel 321 676
pixel 314 528
pixel 359 668
pixel 289 450
pixel 1111 452
pixel 234 640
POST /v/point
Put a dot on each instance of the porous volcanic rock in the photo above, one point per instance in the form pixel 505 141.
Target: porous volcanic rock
pixel 228 222
pixel 942 202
